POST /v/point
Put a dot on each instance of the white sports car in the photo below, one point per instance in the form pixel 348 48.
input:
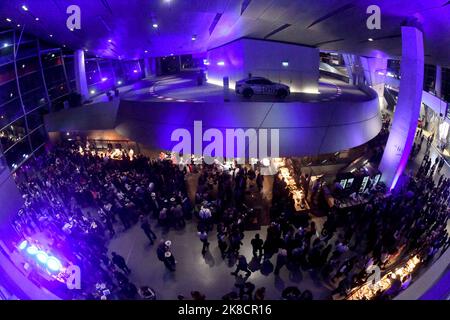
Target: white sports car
pixel 259 85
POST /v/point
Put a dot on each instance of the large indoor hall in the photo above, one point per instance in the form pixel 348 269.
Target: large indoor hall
pixel 240 151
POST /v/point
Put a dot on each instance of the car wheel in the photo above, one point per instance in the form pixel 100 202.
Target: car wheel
pixel 247 93
pixel 282 93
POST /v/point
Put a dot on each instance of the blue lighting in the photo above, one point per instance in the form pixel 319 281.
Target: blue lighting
pixel 220 63
pixel 42 257
pixel 24 8
pixel 155 25
pixel 54 264
pixel 23 244
pixel 285 64
pixel 32 250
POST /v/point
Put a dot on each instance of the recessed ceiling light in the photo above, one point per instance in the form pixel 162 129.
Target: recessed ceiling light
pixel 37 19
pixel 51 36
pixel 18 26
pixel 194 37
pixel 370 39
pixel 8 19
pixel 24 8
pixel 109 40
pixel 155 25
pixel 146 51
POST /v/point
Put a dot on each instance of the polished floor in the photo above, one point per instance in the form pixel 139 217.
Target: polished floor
pixel 209 274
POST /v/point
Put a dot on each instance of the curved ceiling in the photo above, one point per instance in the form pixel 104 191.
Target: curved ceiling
pixel 190 26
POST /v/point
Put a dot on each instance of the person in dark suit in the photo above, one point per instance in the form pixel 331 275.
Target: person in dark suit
pixel 119 261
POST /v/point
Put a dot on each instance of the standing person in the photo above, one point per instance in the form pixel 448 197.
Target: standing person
pixel 281 261
pixel 161 250
pixel 257 245
pixel 145 225
pixel 223 245
pixel 119 261
pixel 169 261
pixel 242 265
pixel 204 239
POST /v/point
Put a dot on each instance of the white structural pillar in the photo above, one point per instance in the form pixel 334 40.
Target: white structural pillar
pixel 374 73
pixel 149 67
pixel 80 74
pixel 438 82
pixel 401 136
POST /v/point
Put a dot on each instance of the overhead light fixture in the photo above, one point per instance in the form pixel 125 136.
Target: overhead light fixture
pixel 23 66
pixel 51 36
pixel 370 39
pixel 146 51
pixel 92 91
pixel 53 55
pixel 8 19
pixel 109 40
pixel 104 79
pixel 194 37
pixel 5 45
pixel 155 25
pixel 220 63
pixel 18 26
pixel 24 8
pixel 37 19
pixel 119 82
pixel 285 64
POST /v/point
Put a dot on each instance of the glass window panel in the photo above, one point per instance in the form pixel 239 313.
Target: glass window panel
pixel 38 138
pixel 54 77
pixel 36 118
pixel 13 133
pixel 27 66
pixel 18 153
pixel 30 82
pixel 7 73
pixel 10 112
pixel 58 91
pixel 27 48
pixel 8 92
pixel 34 99
pixel 6 48
pixel 51 59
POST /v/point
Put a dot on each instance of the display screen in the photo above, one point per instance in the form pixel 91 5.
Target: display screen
pixel 364 184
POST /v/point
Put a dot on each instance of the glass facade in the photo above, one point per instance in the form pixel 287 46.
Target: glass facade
pixel 37 77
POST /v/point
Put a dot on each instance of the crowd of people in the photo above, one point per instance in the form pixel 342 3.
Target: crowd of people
pixel 81 199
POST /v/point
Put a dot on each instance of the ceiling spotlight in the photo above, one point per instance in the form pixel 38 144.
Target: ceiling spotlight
pixel 155 25
pixel 18 26
pixel 5 45
pixel 194 37
pixel 72 29
pixel 370 39
pixel 37 19
pixel 24 8
pixel 146 51
pixel 220 63
pixel 109 40
pixel 53 55
pixel 51 36
pixel 92 91
pixel 8 19
pixel 64 45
